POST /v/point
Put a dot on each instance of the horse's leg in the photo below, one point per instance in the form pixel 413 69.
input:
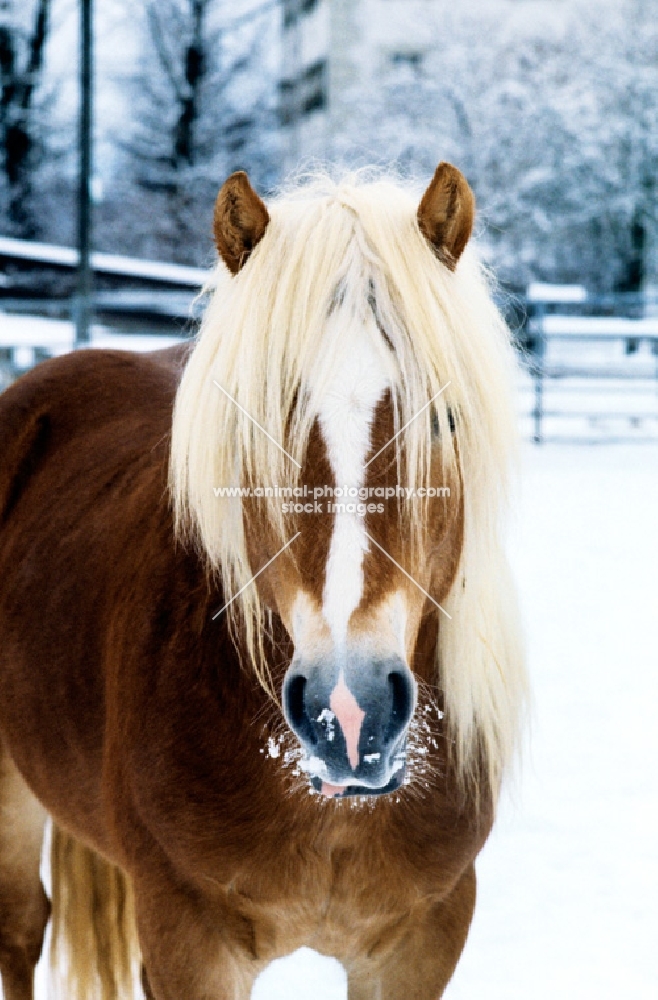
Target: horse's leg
pixel 193 948
pixel 418 964
pixel 197 972
pixel 146 986
pixel 24 906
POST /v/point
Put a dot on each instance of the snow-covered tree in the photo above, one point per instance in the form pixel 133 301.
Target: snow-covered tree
pixel 550 109
pixel 615 110
pixel 23 37
pixel 203 106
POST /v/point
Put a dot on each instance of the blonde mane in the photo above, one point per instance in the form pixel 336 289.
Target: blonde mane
pixel 345 245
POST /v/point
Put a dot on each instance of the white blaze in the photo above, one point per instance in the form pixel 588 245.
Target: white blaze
pixel 348 404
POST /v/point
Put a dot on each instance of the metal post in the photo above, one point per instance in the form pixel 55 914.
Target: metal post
pixel 84 297
pixel 540 347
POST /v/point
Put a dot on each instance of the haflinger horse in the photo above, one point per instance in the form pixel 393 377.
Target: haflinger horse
pixel 260 723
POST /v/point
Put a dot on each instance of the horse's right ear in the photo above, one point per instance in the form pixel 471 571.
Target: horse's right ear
pixel 446 213
pixel 239 222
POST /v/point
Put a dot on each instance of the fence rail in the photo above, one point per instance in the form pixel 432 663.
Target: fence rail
pixel 27 255
pixel 590 341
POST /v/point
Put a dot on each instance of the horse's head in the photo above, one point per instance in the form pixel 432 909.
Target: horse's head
pixel 351 374
pixel 351 589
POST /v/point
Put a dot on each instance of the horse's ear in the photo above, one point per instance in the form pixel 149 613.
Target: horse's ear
pixel 446 213
pixel 239 222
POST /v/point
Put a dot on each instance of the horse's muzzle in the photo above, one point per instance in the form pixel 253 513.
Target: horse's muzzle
pixel 351 717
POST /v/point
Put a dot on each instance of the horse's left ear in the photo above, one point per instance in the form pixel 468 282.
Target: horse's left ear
pixel 446 213
pixel 239 222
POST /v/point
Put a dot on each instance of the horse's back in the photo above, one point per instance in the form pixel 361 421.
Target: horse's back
pixel 77 390
pixel 76 403
pixel 82 494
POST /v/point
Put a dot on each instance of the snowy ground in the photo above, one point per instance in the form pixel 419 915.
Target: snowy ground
pixel 592 409
pixel 26 334
pixel 568 881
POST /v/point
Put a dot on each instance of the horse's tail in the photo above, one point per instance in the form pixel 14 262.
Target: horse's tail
pixel 94 950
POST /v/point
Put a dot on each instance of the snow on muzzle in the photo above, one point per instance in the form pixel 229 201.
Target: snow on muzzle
pixel 351 717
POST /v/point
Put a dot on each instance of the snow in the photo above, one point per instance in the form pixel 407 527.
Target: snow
pixel 327 717
pixel 539 291
pixel 595 410
pixel 35 331
pixel 300 976
pixel 568 880
pixel 105 339
pixel 600 326
pixel 27 333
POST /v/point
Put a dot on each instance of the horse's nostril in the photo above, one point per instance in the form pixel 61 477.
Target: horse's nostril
pixel 295 700
pixel 402 696
pixel 295 707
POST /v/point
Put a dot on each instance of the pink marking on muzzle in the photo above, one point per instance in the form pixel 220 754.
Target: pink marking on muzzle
pixel 350 717
pixel 332 790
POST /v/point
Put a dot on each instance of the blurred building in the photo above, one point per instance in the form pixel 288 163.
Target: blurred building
pixel 304 84
pixel 330 46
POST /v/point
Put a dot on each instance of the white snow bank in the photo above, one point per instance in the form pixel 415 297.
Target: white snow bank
pixel 27 334
pixel 598 326
pixel 104 263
